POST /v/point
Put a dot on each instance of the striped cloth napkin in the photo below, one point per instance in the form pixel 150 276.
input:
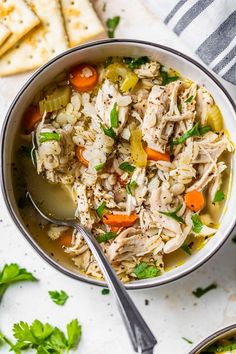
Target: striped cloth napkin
pixel 207 26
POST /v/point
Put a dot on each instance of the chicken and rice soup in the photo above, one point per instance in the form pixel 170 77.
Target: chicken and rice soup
pixel 143 153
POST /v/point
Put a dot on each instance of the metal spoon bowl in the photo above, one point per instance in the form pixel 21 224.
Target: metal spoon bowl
pixel 142 339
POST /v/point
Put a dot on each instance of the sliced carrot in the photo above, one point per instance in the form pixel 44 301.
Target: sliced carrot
pixel 115 228
pixel 156 155
pixel 66 238
pixel 119 220
pixel 31 117
pixel 194 200
pixel 83 77
pixel 79 154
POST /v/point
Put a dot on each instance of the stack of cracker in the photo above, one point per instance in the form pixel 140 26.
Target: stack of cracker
pixel 34 31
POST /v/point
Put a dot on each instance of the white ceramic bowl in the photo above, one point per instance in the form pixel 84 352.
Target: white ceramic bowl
pixel 93 52
pixel 220 334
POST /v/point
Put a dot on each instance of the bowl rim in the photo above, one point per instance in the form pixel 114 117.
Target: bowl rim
pixel 213 336
pixel 135 284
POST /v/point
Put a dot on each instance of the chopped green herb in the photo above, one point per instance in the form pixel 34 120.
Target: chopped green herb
pixel 109 131
pixel 112 24
pixel 101 209
pixel 125 166
pixel 47 136
pixel 194 131
pixel 105 291
pixel 166 79
pixel 99 167
pixel 130 186
pixel 189 99
pixel 59 297
pixel 219 196
pixel 186 248
pixel 173 214
pixel 234 239
pixel 106 237
pixel 187 340
pixel 114 116
pixel 180 107
pixel 202 291
pixel 134 63
pixel 12 273
pixel 197 224
pixel 143 271
pixel 45 338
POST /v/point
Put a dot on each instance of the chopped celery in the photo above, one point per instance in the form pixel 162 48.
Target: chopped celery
pixel 118 72
pixel 138 153
pixel 57 100
pixel 214 118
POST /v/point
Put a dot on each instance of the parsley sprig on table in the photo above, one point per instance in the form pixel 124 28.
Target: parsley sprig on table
pixel 44 338
pixel 12 273
pixel 59 297
pixel 112 23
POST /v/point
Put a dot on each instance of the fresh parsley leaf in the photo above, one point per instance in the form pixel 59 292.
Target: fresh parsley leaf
pixel 56 341
pixel 101 209
pixel 106 237
pixel 166 79
pixel 134 63
pixel 112 24
pixel 109 132
pixel 45 338
pixel 187 340
pixel 125 166
pixel 173 214
pixel 197 224
pixel 130 186
pixel 99 167
pixel 143 271
pixel 47 136
pixel 219 196
pixel 105 291
pixel 234 239
pixel 41 331
pixel 22 332
pixel 186 248
pixel 12 273
pixel 74 332
pixel 114 116
pixel 194 131
pixel 189 99
pixel 59 297
pixel 202 291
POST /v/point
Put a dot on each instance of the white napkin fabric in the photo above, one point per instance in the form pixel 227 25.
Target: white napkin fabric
pixel 207 26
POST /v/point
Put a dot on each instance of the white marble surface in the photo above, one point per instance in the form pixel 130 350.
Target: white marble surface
pixel 173 312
